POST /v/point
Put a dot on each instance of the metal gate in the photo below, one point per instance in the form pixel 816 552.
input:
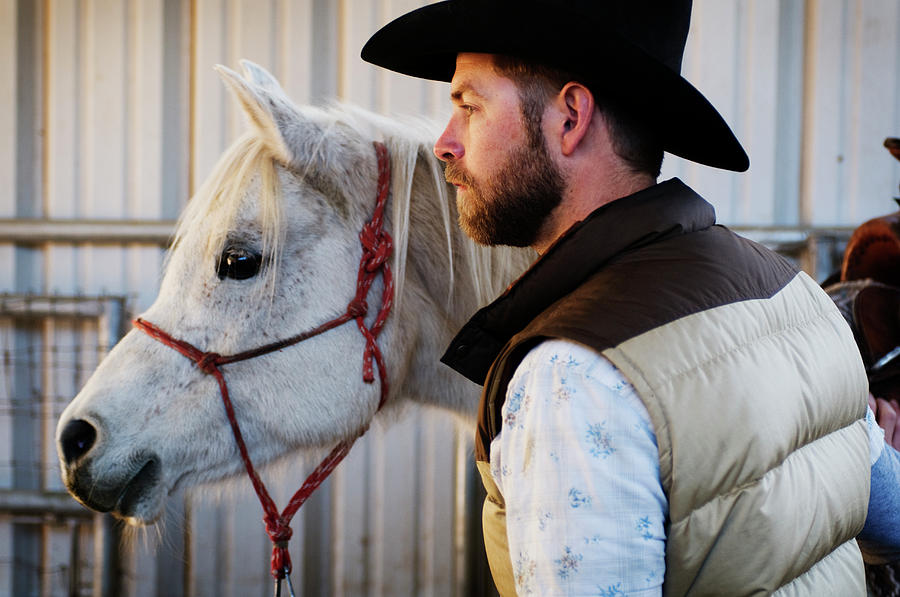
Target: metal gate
pixel 49 344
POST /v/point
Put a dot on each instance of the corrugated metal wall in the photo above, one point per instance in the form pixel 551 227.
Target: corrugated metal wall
pixel 811 88
pixel 110 110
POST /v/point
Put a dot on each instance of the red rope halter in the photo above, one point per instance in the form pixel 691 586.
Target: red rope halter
pixel 377 247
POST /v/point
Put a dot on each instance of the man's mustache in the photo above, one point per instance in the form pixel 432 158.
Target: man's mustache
pixel 454 174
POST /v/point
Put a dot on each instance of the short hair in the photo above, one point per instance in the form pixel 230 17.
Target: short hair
pixel 634 139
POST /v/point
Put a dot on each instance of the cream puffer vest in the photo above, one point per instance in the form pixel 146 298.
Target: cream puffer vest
pixel 751 377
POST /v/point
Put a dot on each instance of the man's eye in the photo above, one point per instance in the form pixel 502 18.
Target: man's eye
pixel 467 108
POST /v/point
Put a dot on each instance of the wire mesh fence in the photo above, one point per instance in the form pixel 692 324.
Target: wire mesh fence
pixel 49 345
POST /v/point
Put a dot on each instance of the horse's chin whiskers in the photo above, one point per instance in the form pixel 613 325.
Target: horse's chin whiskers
pixel 149 535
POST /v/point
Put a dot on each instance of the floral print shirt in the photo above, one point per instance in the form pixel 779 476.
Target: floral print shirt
pixel 577 463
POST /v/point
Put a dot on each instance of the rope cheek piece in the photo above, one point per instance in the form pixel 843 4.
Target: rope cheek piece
pixel 377 248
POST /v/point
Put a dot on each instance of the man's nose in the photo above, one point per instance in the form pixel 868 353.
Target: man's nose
pixel 447 147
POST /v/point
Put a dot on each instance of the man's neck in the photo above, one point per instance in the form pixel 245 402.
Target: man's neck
pixel 581 199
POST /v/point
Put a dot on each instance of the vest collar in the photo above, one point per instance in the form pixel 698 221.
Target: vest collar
pixel 665 209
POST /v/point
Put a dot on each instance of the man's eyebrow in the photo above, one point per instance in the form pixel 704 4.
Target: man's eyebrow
pixel 462 88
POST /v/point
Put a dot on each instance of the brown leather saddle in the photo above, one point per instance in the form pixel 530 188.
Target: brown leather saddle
pixel 873 311
pixel 867 292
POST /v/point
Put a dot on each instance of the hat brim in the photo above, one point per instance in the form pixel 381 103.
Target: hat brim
pixel 424 43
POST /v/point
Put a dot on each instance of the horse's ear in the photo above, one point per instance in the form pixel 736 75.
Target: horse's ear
pixel 261 77
pixel 265 107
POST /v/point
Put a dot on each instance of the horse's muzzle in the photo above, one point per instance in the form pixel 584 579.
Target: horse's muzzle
pixel 123 492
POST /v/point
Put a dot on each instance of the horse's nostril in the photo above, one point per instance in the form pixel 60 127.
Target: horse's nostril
pixel 76 439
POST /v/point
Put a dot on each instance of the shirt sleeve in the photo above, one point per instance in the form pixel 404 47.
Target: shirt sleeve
pixel 880 537
pixel 578 466
pixel 876 437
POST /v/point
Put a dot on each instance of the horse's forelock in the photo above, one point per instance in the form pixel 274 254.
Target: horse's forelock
pixel 214 210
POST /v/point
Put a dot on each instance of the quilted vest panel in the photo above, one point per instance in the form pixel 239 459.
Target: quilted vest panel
pixel 763 450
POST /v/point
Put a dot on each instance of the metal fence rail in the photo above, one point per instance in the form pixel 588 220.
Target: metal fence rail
pixel 816 250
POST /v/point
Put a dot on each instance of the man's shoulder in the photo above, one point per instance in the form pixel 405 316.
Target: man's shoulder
pixel 653 285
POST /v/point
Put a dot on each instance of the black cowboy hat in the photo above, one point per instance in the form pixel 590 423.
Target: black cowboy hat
pixel 626 50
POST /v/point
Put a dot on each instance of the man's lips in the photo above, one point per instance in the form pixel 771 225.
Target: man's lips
pixel 456 176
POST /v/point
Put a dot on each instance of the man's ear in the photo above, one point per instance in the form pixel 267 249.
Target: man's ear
pixel 576 105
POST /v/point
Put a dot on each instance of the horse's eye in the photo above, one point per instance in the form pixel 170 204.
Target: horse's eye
pixel 238 263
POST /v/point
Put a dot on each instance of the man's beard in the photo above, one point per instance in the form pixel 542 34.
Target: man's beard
pixel 512 205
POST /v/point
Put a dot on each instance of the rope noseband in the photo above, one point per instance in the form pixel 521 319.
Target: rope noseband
pixel 377 248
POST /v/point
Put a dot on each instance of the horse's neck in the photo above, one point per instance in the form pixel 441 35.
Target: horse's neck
pixel 433 309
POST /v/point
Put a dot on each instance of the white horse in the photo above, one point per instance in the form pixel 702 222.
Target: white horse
pixel 269 248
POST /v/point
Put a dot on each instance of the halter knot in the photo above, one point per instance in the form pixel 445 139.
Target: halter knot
pixel 358 307
pixel 377 246
pixel 278 530
pixel 281 562
pixel 208 362
pixel 280 533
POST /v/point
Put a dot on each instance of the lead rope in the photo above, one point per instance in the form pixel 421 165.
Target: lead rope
pixel 377 248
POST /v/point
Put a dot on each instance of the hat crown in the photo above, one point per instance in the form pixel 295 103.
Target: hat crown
pixel 657 27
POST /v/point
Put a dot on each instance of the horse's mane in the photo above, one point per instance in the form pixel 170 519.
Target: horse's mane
pixel 249 161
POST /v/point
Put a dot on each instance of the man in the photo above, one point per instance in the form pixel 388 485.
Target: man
pixel 666 405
